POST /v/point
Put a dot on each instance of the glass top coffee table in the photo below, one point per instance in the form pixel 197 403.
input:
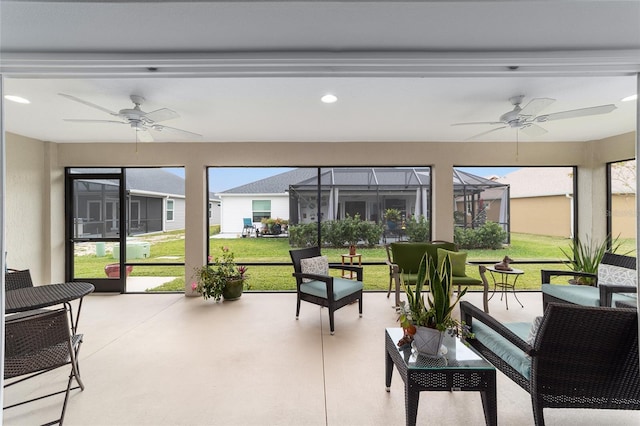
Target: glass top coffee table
pixel 460 369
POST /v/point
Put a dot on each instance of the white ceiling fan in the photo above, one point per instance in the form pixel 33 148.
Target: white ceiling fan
pixel 141 121
pixel 525 118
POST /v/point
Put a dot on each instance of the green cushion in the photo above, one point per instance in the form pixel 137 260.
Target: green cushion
pixel 458 261
pixel 408 255
pixel 432 249
pixel 341 288
pixel 466 281
pixel 502 347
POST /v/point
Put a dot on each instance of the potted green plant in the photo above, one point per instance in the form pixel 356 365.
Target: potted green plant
pixel 392 215
pixel 585 256
pixel 222 278
pixel 425 323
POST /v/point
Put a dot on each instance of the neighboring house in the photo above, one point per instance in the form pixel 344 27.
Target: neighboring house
pixel 366 192
pixel 542 201
pixel 155 203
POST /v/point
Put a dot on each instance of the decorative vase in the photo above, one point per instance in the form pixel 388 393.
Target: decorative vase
pixel 427 341
pixel 352 250
pixel 233 289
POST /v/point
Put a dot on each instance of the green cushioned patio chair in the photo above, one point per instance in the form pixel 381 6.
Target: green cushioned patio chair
pixel 404 259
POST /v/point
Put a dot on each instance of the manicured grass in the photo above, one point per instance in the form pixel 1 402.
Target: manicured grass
pixel 169 247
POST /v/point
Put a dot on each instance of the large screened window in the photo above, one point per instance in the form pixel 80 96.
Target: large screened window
pixel 122 220
pixel 332 206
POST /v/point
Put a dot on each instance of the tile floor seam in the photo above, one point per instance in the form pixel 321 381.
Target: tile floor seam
pixel 324 371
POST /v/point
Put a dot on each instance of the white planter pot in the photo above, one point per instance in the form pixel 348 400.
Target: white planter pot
pixel 427 341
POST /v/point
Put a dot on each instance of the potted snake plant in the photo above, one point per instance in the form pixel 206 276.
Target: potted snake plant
pixel 424 323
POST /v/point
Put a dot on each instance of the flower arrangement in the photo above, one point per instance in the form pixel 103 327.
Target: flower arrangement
pixel 212 278
pixel 436 312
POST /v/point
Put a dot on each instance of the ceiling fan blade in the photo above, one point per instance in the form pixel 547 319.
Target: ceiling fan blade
pixel 143 136
pixel 486 133
pixel 582 112
pixel 161 128
pixel 87 103
pixel 536 105
pixel 80 120
pixel 533 130
pixel 492 123
pixel 161 114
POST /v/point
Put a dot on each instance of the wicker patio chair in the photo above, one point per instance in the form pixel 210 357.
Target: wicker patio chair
pixel 580 357
pixel 323 289
pixel 37 344
pixel 616 280
pixel 14 279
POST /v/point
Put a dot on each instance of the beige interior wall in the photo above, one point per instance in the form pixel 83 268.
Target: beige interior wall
pixel 26 209
pixel 35 226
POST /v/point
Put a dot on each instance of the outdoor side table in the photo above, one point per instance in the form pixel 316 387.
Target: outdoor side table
pixel 351 260
pixel 501 280
pixel 460 369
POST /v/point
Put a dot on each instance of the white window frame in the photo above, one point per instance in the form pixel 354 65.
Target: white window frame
pixel 172 209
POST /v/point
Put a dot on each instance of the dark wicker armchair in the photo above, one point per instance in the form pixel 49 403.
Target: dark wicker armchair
pixel 325 290
pixel 14 279
pixel 39 343
pixel 615 281
pixel 581 357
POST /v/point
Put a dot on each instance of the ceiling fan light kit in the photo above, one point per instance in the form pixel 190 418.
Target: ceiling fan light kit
pixel 136 118
pixel 524 118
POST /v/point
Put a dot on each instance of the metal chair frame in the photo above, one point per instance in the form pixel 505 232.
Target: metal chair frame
pixel 38 343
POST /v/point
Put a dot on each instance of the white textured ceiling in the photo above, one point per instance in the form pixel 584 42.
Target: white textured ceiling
pixel 372 55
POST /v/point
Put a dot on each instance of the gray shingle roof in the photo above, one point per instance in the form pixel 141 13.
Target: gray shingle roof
pixel 155 180
pixel 390 176
pixel 274 184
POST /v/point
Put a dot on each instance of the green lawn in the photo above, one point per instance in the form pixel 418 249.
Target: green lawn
pixel 169 247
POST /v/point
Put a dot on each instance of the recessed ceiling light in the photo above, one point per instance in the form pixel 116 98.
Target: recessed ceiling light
pixel 17 99
pixel 329 99
pixel 630 98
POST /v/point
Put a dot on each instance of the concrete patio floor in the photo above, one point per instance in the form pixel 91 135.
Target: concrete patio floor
pixel 164 359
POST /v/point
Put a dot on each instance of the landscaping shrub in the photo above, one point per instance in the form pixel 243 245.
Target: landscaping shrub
pixel 489 236
pixel 332 233
pixel 371 233
pixel 303 235
pixel 337 233
pixel 417 229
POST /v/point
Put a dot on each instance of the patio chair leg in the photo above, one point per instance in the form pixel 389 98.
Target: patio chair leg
pixel 538 416
pixel 331 323
pixel 298 307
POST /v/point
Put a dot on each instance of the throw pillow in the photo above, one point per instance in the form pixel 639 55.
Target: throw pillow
pixel 318 265
pixel 458 261
pixel 612 274
pixel 535 326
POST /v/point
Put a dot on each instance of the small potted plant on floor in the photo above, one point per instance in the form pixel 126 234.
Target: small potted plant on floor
pixel 425 323
pixel 222 278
